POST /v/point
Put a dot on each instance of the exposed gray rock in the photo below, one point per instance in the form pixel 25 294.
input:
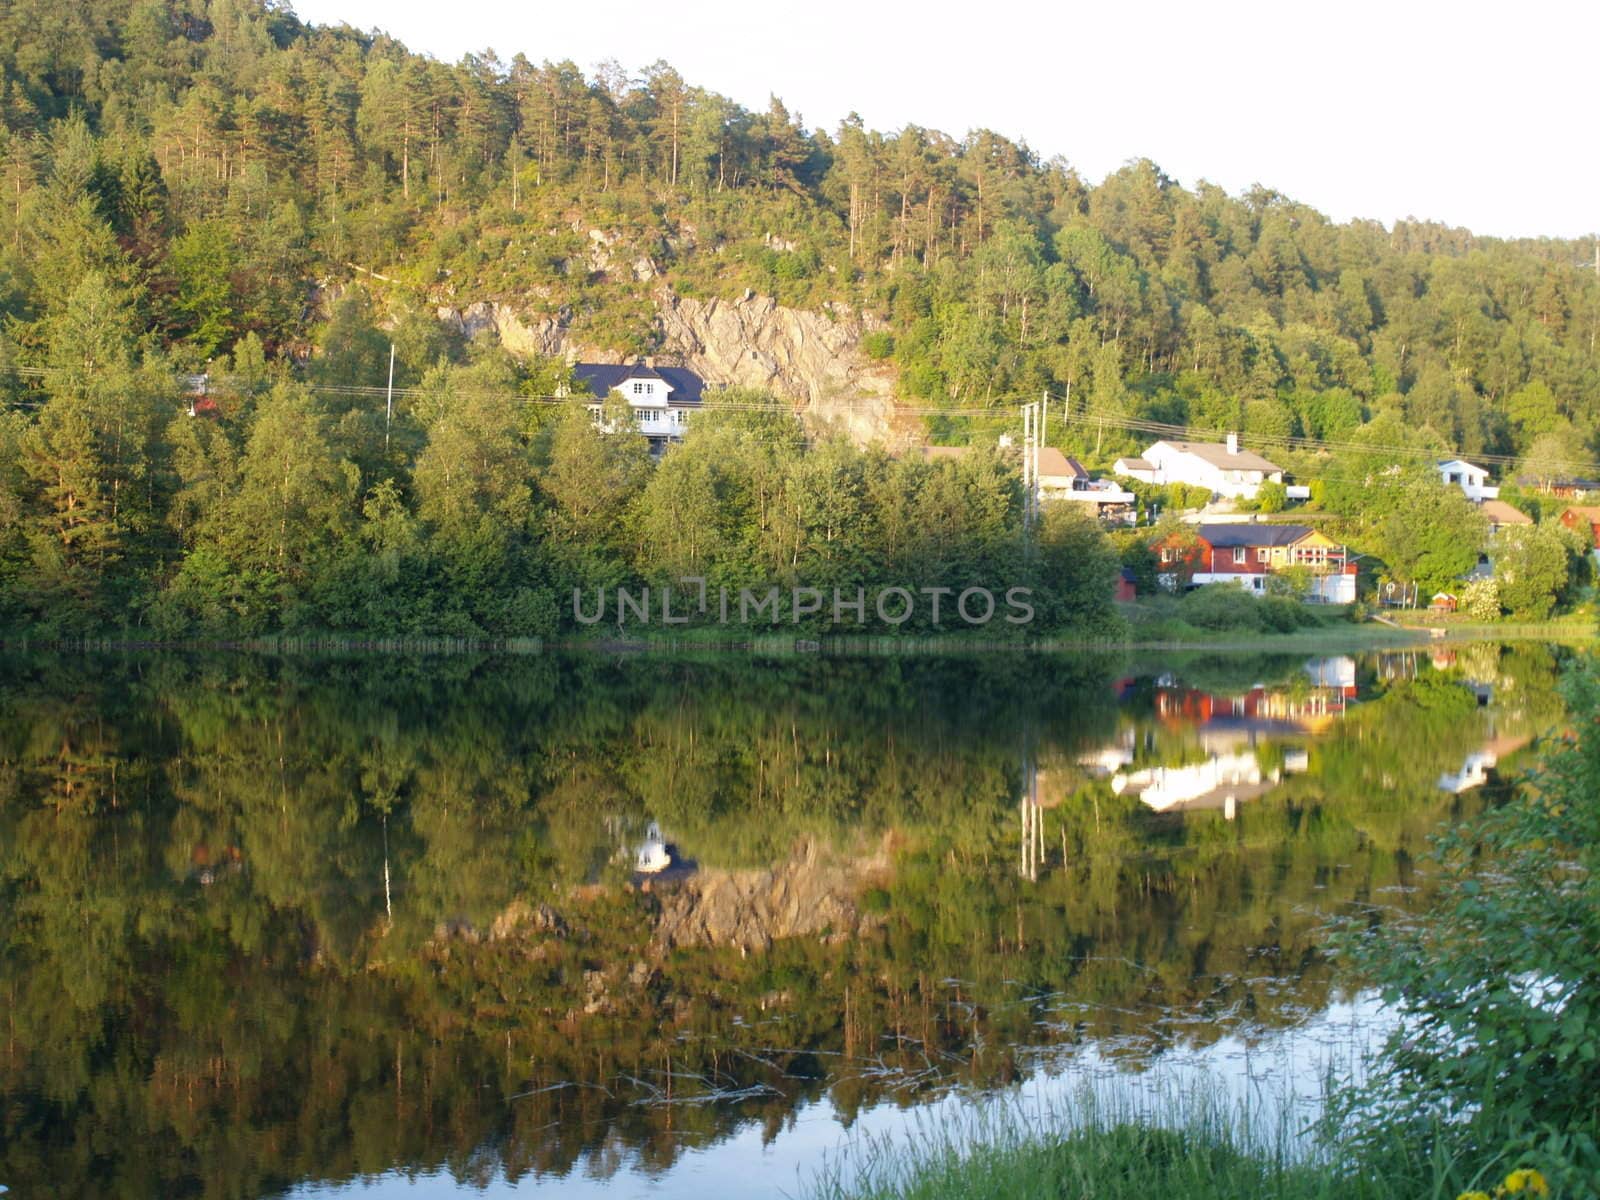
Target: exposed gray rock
pixel 808 896
pixel 545 336
pixel 812 358
pixel 521 919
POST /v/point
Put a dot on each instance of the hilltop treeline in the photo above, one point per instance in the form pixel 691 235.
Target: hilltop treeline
pixel 193 186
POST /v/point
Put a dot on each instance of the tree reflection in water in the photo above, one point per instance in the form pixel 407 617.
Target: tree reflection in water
pixel 273 920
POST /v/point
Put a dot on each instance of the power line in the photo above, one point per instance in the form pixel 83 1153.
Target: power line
pixel 994 407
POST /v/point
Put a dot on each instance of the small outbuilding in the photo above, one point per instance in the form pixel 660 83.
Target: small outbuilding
pixel 1127 589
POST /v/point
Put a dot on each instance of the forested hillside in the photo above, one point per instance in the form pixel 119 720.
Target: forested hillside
pixel 221 186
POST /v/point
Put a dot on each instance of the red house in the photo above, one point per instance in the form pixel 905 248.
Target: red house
pixel 1248 554
pixel 1584 519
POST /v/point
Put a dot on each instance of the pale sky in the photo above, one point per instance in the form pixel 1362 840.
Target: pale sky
pixel 1470 113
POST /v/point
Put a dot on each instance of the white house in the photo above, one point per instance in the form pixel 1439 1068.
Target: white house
pixel 661 398
pixel 1222 468
pixel 1473 481
pixel 1064 478
pixel 1220 782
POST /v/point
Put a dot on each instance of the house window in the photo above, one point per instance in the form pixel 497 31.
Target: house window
pixel 1166 554
pixel 639 389
pixel 1240 554
pixel 1263 554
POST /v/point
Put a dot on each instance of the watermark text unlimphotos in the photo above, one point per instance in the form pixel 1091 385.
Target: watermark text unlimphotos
pixel 774 605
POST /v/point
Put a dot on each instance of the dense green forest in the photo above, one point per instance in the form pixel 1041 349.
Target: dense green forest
pixel 223 187
pixel 301 919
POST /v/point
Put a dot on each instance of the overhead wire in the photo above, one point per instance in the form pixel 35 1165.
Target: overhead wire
pixel 992 407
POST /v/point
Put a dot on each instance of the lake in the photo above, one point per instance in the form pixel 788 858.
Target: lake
pixel 530 924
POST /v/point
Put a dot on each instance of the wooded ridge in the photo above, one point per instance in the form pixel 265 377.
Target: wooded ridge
pixel 222 187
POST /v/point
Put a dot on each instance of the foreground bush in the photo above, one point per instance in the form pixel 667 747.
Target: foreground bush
pixel 1225 606
pixel 1497 1056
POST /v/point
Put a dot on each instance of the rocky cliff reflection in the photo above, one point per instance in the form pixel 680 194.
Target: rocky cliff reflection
pixel 266 921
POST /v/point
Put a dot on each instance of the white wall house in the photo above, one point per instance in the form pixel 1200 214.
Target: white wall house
pixel 1222 782
pixel 1064 478
pixel 1473 481
pixel 659 398
pixel 1222 468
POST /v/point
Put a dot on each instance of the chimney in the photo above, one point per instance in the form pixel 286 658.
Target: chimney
pixel 1233 443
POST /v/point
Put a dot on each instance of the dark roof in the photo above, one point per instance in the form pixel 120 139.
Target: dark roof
pixel 1252 535
pixel 601 378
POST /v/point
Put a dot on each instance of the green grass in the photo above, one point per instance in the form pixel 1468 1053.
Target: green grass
pixel 1133 1161
pixel 1187 1148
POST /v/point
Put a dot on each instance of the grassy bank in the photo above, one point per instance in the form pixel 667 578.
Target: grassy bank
pixel 1199 1160
pixel 1126 1162
pixel 1183 1146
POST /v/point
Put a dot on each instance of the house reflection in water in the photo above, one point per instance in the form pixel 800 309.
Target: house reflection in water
pixel 1220 782
pixel 1475 768
pixel 1230 726
pixel 1098 764
pixel 1260 710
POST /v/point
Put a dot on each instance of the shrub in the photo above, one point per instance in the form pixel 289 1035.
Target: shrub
pixel 1221 606
pixel 1280 614
pixel 1498 989
pixel 1134 552
pixel 879 344
pixel 1181 496
pixel 1480 600
pixel 1272 498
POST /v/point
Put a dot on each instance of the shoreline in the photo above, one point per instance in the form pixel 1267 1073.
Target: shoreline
pixel 1326 640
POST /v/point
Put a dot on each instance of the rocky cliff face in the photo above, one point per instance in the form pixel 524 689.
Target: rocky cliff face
pixel 812 358
pixel 546 336
pixel 807 896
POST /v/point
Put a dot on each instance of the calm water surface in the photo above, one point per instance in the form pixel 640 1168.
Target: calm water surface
pixel 379 927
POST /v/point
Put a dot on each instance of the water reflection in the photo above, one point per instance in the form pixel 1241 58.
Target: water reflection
pixel 1230 728
pixel 310 921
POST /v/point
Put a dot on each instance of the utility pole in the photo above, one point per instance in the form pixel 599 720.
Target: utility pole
pixel 1028 463
pixel 1032 415
pixel 1031 847
pixel 388 408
